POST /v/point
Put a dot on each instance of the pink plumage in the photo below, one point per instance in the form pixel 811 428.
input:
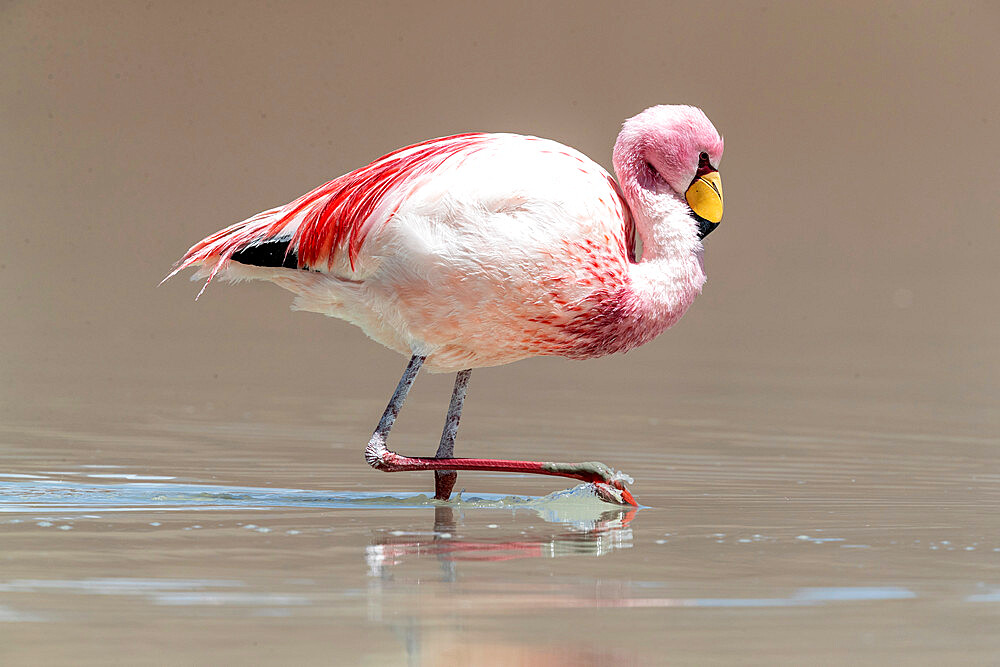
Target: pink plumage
pixel 481 249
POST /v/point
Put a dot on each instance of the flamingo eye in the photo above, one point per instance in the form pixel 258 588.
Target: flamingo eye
pixel 704 166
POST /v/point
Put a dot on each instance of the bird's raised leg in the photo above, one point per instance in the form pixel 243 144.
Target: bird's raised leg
pixel 376 451
pixel 444 480
pixel 380 457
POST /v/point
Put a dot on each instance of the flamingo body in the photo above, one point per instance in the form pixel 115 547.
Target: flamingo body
pixel 471 250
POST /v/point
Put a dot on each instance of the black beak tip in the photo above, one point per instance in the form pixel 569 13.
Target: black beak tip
pixel 704 226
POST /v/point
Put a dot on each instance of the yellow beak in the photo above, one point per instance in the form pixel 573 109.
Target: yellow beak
pixel 705 196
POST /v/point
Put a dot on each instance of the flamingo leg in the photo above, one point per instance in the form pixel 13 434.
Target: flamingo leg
pixel 444 480
pixel 380 457
pixel 376 448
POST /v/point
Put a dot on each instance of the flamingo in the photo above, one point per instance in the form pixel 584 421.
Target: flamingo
pixel 480 249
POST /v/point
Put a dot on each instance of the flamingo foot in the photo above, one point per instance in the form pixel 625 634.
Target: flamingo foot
pixel 608 484
pixel 616 495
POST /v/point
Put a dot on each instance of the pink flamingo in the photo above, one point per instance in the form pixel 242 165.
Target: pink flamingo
pixel 482 249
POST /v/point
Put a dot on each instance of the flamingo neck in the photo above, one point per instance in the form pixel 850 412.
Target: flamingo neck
pixel 662 289
pixel 670 273
pixel 657 292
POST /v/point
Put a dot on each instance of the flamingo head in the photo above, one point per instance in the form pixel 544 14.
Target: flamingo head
pixel 673 150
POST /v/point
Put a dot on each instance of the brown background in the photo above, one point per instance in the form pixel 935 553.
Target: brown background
pixel 861 231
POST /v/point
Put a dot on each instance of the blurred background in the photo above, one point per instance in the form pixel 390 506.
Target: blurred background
pixel 858 253
pixel 845 353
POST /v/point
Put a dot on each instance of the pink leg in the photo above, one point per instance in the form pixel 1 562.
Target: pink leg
pixel 380 457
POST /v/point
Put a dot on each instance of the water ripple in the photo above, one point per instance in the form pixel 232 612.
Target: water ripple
pixel 30 494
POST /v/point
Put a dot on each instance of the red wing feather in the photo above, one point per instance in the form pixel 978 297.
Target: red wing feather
pixel 336 216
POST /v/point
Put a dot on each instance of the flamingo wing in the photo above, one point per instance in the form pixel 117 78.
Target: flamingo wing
pixel 333 220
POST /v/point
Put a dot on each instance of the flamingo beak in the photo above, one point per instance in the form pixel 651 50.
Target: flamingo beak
pixel 704 196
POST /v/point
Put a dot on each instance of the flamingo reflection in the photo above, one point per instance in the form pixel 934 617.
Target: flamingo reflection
pixel 591 537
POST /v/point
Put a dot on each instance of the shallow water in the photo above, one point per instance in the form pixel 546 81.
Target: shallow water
pixel 253 539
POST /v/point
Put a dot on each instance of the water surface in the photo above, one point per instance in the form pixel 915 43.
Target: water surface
pixel 820 542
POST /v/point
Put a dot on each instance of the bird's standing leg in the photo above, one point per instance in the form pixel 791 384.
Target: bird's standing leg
pixel 444 480
pixel 380 457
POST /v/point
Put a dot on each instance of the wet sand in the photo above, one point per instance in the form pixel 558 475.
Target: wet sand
pixel 816 445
